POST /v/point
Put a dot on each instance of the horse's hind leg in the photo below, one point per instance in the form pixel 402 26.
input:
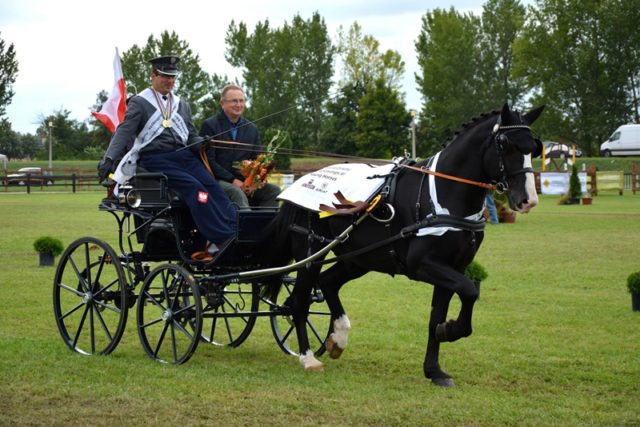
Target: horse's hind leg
pixel 300 302
pixel 439 308
pixel 330 282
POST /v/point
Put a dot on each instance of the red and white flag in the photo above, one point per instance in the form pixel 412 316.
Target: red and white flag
pixel 112 112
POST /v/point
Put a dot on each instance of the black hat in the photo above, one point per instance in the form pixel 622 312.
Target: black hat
pixel 167 65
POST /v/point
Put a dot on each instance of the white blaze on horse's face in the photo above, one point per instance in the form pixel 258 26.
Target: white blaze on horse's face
pixel 530 187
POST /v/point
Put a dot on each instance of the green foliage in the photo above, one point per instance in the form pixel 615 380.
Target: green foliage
pixel 48 244
pixel 363 63
pixel 578 56
pixel 633 283
pixel 476 271
pixel 193 84
pixel 338 134
pixel 278 138
pixel 383 123
pixel 448 80
pixel 286 71
pixel 574 183
pixel 8 74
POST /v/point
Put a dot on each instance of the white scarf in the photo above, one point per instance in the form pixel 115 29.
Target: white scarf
pixel 127 167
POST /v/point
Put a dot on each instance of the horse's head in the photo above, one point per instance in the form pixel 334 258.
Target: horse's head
pixel 509 156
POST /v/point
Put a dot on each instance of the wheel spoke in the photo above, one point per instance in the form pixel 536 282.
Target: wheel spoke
pixel 91 316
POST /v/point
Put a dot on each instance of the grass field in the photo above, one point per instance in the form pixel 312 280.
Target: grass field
pixel 555 341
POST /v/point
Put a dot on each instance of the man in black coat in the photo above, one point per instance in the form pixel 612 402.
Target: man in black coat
pixel 229 125
pixel 155 134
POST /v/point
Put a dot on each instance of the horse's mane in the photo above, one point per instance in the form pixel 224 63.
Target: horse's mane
pixel 465 127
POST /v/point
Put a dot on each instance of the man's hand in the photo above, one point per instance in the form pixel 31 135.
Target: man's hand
pixel 105 167
pixel 240 184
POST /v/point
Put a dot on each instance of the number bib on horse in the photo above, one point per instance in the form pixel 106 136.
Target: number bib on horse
pixel 356 181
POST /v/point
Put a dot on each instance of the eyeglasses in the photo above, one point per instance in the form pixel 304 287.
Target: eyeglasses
pixel 234 101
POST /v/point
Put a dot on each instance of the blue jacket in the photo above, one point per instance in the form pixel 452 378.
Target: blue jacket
pixel 222 157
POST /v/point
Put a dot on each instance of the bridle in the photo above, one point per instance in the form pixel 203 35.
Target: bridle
pixel 500 140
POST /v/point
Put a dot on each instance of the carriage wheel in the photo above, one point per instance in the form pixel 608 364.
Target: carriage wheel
pixel 90 297
pixel 282 322
pixel 227 319
pixel 169 314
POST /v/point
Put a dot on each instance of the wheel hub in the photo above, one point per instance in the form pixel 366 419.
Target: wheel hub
pixel 87 297
pixel 167 315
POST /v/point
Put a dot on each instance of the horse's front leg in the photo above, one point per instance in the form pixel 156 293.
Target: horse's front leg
pixel 431 367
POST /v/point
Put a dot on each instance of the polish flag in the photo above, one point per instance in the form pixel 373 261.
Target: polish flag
pixel 112 112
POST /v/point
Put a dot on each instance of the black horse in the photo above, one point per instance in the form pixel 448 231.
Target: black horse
pixel 434 232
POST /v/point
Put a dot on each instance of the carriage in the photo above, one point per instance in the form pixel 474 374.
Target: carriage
pixel 431 231
pixel 179 302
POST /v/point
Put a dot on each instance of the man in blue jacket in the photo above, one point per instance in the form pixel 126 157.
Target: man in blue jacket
pixel 229 125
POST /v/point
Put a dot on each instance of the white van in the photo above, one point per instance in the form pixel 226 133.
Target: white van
pixel 625 141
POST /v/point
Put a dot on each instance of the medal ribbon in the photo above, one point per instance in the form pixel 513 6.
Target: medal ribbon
pixel 166 112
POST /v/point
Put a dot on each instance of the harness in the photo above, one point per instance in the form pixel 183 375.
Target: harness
pixel 388 191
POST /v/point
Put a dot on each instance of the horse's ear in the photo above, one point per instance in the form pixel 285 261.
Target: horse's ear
pixel 505 114
pixel 533 115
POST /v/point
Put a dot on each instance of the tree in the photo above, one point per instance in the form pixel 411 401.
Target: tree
pixel 383 122
pixel 570 55
pixel 287 74
pixel 193 83
pixel 449 59
pixel 8 74
pixel 364 64
pixel 502 24
pixel 368 117
pixel 70 138
pixel 338 134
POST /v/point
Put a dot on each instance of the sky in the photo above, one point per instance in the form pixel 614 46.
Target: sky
pixel 65 48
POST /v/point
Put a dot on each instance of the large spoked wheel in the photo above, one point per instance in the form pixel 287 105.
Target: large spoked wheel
pixel 319 325
pixel 90 297
pixel 228 319
pixel 169 314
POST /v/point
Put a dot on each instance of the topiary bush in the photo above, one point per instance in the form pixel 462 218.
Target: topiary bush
pixel 48 244
pixel 633 283
pixel 476 272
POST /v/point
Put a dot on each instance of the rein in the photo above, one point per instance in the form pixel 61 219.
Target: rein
pixel 451 177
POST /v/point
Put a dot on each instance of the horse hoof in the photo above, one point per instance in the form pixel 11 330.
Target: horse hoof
pixel 443 382
pixel 334 350
pixel 310 363
pixel 316 367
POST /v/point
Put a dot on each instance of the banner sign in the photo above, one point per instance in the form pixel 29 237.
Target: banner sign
pixel 557 183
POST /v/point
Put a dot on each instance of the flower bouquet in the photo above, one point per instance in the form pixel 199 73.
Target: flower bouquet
pixel 256 171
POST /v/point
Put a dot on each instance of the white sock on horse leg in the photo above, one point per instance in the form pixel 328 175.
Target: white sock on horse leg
pixel 341 327
pixel 310 363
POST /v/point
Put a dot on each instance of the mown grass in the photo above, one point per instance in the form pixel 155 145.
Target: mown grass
pixel 555 341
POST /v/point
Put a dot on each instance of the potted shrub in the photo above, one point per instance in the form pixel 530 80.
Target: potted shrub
pixel 48 247
pixel 633 286
pixel 573 195
pixel 476 272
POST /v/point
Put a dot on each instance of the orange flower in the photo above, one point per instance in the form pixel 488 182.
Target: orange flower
pixel 256 171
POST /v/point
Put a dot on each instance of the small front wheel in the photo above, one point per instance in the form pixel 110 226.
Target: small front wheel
pixel 169 314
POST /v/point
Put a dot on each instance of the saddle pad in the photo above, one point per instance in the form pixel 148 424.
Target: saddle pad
pixel 354 180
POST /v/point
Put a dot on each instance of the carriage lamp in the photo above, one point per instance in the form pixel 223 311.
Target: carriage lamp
pixel 129 196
